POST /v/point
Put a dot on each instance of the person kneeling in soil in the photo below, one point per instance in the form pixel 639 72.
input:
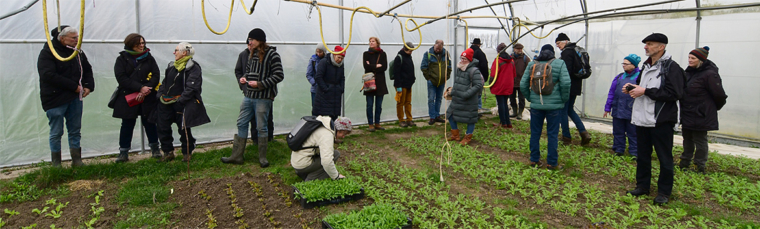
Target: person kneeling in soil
pixel 317 160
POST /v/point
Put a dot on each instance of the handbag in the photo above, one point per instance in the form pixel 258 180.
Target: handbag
pixel 368 79
pixel 132 99
pixel 112 101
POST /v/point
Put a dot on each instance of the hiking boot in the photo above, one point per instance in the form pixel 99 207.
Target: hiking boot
pixel 519 113
pixel 402 124
pixel 410 123
pixel 638 192
pixel 168 156
pixel 238 149
pixel 535 164
pixel 684 164
pixel 371 128
pixel 378 127
pixel 454 136
pixel 431 122
pixel 554 168
pixel 155 151
pixel 76 157
pixel 514 112
pixel 123 155
pixel 440 119
pixel 508 126
pixel 263 153
pixel 660 199
pixel 567 141
pixel 466 140
pixel 585 138
pixel 56 158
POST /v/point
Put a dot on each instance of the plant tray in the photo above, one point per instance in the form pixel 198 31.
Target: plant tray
pixel 408 225
pixel 338 200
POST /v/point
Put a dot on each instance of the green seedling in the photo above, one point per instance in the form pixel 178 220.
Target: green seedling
pixel 30 226
pixel 58 211
pixel 327 189
pixel 50 202
pixel 2 223
pixel 11 212
pixel 211 223
pixel 39 212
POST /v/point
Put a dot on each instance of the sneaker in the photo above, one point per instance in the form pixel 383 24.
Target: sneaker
pixel 431 122
pixel 535 164
pixel 660 200
pixel 638 192
pixel 554 168
pixel 403 124
pixel 410 123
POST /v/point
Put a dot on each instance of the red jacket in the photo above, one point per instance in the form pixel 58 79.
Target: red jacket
pixel 506 81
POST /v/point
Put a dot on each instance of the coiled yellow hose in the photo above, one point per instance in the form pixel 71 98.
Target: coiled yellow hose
pixel 47 32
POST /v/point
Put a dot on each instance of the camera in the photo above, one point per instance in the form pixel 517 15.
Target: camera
pixel 630 88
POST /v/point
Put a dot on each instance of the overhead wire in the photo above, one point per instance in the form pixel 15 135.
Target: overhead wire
pixel 47 31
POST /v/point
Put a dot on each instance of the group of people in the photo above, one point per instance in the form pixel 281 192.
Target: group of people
pixel 643 102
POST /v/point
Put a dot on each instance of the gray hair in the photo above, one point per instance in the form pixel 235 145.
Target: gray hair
pixel 187 47
pixel 321 46
pixel 66 31
pixel 439 41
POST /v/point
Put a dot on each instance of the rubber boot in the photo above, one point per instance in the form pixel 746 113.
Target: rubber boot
pixel 263 152
pixel 454 136
pixel 567 141
pixel 378 127
pixel 56 158
pixel 519 113
pixel 123 155
pixel 155 150
pixel 514 112
pixel 168 156
pixel 238 149
pixel 585 138
pixel 76 157
pixel 466 140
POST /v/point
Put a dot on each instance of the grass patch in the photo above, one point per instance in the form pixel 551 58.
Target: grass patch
pixel 142 217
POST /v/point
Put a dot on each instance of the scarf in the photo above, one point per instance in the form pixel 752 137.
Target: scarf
pixel 181 63
pixel 375 50
pixel 138 55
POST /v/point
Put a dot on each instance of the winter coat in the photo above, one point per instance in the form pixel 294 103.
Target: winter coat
pixel 311 69
pixel 521 62
pixel 268 73
pixel 372 57
pixel 618 102
pixel 433 68
pixel 403 68
pixel 59 80
pixel 703 97
pixel 570 57
pixel 505 82
pixel 190 99
pixel 664 83
pixel 323 138
pixel 561 93
pixel 132 75
pixel 467 87
pixel 331 81
pixel 482 59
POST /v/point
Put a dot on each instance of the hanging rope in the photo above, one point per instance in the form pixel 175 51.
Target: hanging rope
pixel 446 147
pixel 229 18
pixel 47 31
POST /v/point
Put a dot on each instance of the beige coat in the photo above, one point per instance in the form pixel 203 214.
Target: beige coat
pixel 323 138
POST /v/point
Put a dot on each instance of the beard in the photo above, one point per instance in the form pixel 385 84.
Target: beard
pixel 462 65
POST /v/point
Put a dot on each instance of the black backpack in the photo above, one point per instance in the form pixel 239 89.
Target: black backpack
pixel 583 61
pixel 301 132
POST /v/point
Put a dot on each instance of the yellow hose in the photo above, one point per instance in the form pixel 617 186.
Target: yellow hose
pixel 249 12
pixel 229 18
pixel 517 26
pixel 402 34
pixel 47 33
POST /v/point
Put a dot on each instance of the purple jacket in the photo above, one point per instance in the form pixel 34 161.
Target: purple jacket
pixel 620 104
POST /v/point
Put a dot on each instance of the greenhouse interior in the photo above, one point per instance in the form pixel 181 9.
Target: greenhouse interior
pixel 412 174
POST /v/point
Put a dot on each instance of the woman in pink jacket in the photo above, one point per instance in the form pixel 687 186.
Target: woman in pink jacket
pixel 503 87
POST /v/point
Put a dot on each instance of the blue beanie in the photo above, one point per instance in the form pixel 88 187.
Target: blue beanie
pixel 547 47
pixel 634 59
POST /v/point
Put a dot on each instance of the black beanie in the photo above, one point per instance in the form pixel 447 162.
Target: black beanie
pixel 257 34
pixel 562 37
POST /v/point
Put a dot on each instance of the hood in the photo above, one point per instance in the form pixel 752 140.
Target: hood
pixel 332 60
pixel 326 122
pixel 54 39
pixel 402 53
pixel 545 55
pixel 505 57
pixel 473 64
pixel 315 57
pixel 665 56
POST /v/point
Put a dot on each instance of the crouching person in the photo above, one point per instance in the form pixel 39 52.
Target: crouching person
pixel 316 158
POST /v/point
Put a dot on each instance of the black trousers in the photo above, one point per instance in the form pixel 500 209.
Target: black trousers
pixel 661 138
pixel 695 147
pixel 514 97
pixel 166 116
pixel 315 171
pixel 270 128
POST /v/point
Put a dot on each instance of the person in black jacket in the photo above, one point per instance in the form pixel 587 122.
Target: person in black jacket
pixel 136 71
pixel 375 61
pixel 482 65
pixel 655 113
pixel 703 98
pixel 331 81
pixel 63 86
pixel 181 103
pixel 403 71
pixel 576 85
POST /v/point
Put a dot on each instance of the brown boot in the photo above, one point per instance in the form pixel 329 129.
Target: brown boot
pixel 378 127
pixel 371 128
pixel 567 141
pixel 466 140
pixel 585 138
pixel 168 156
pixel 454 135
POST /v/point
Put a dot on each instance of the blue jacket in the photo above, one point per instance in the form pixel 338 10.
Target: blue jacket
pixel 311 70
pixel 619 103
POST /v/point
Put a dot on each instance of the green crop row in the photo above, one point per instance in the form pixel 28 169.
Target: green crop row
pixel 327 189
pixel 378 216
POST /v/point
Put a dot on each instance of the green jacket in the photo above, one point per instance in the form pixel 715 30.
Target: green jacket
pixel 434 64
pixel 560 94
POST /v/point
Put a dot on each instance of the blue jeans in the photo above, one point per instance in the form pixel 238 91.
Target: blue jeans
pixel 470 126
pixel 435 94
pixel 249 107
pixel 552 128
pixel 375 101
pixel 501 101
pixel 72 112
pixel 569 110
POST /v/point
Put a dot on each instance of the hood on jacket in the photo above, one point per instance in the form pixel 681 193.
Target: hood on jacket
pixel 505 56
pixel 473 64
pixel 325 122
pixel 332 61
pixel 545 55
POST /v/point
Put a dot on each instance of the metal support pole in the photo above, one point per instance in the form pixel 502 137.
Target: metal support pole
pixel 583 103
pixel 137 29
pixel 456 38
pixel 699 22
pixel 512 15
pixel 342 42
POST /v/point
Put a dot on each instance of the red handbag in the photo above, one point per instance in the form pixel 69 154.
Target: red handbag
pixel 132 99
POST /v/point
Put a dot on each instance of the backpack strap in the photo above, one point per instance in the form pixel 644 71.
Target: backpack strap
pixel 545 74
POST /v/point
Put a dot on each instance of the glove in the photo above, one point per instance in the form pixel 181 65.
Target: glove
pixel 398 89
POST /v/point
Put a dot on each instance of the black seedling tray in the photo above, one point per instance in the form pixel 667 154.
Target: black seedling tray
pixel 337 200
pixel 408 225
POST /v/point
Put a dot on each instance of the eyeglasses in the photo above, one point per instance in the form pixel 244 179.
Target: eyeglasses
pixel 624 64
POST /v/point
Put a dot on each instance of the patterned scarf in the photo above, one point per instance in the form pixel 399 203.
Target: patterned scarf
pixel 138 55
pixel 181 63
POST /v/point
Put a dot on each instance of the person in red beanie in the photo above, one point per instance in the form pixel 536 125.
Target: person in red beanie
pixel 504 85
pixel 331 81
pixel 468 84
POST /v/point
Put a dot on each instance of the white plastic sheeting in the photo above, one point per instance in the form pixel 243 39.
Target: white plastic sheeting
pixel 295 32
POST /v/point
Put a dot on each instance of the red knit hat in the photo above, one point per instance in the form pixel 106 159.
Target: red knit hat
pixel 469 53
pixel 338 49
